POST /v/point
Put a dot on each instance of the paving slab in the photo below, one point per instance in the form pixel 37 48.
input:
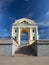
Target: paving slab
pixel 24 60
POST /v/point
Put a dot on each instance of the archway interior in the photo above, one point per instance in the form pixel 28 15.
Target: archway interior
pixel 24 38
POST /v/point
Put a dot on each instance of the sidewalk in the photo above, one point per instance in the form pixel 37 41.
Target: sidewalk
pixel 23 60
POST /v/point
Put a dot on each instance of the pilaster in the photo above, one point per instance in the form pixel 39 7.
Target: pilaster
pixel 19 35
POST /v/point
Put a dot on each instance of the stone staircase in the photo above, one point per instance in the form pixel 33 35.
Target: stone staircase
pixel 24 51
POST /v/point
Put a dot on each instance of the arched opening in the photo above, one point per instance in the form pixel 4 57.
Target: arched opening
pixel 24 37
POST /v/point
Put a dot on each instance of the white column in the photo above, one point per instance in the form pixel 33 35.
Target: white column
pixel 30 34
pixel 13 32
pixel 19 35
pixel 37 33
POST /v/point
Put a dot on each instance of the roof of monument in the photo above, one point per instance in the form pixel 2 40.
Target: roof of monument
pixel 26 20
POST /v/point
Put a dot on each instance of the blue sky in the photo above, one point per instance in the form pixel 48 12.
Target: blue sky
pixel 37 10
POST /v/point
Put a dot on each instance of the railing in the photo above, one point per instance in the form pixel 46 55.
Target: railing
pixel 5 37
pixel 14 40
pixel 10 37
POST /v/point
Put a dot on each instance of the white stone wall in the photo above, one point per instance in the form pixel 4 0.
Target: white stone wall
pixel 43 50
pixel 5 49
pixel 14 48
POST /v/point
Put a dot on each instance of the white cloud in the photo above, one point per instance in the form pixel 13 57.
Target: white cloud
pixel 43 23
pixel 4 32
pixel 43 35
pixel 29 15
pixel 47 13
pixel 42 31
pixel 43 20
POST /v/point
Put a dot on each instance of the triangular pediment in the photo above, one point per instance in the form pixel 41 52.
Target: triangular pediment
pixel 24 21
